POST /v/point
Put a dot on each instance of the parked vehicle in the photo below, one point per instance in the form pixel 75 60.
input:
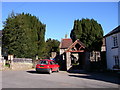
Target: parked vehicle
pixel 47 65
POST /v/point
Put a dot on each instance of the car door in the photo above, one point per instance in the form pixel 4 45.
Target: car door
pixel 52 64
pixel 56 66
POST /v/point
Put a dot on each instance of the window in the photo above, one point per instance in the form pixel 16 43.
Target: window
pixel 52 63
pixel 115 42
pixel 44 62
pixel 117 63
pixel 116 60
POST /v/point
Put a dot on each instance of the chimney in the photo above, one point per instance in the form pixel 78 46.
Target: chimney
pixel 65 35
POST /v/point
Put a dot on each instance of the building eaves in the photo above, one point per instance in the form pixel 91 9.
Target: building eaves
pixel 114 31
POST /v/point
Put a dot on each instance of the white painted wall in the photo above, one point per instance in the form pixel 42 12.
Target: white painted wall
pixel 110 53
pixel 103 48
pixel 62 51
pixel 119 46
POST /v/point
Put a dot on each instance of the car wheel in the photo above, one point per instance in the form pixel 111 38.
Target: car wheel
pixel 50 71
pixel 36 70
pixel 58 70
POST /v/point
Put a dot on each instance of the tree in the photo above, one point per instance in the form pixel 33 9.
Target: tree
pixel 89 32
pixel 52 45
pixel 23 35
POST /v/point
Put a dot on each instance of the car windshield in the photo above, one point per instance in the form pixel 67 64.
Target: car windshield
pixel 43 62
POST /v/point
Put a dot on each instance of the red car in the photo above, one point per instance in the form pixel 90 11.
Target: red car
pixel 47 65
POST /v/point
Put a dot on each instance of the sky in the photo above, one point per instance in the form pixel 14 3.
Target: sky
pixel 59 16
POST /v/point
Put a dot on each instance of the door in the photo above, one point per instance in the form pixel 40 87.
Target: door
pixel 52 65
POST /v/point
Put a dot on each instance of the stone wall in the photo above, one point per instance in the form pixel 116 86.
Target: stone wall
pixel 21 63
pixel 21 66
pixel 2 63
pixel 16 64
pixel 0 66
pixel 68 61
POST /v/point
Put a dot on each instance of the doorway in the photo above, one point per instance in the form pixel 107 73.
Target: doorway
pixel 77 60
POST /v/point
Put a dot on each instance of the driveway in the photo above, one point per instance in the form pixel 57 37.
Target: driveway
pixel 31 79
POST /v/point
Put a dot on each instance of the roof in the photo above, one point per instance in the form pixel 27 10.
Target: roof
pixel 65 43
pixel 79 42
pixel 114 31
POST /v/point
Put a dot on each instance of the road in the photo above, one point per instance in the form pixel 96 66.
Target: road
pixel 31 79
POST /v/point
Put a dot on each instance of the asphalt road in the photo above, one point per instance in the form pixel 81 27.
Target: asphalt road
pixel 31 79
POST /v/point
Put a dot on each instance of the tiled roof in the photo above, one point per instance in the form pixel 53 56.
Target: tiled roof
pixel 116 30
pixel 65 43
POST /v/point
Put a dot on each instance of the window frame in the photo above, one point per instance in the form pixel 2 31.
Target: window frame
pixel 115 41
pixel 52 63
pixel 116 60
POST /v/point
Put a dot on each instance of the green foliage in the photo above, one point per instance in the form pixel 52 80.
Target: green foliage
pixel 52 45
pixel 89 32
pixel 23 35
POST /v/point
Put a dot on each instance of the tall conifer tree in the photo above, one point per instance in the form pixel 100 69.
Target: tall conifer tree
pixel 88 31
pixel 23 35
